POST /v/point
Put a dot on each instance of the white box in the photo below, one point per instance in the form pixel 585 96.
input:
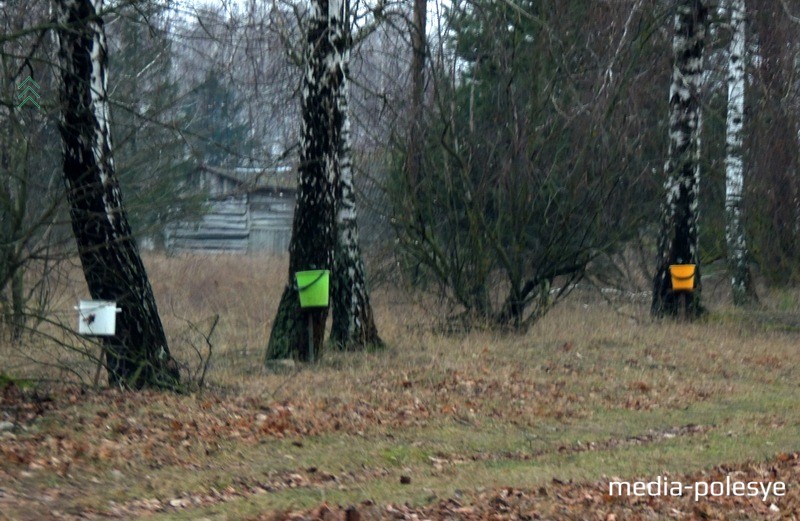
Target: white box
pixel 97 317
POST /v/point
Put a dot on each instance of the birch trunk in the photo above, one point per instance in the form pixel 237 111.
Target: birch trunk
pixel 353 322
pixel 741 280
pixel 313 231
pixel 678 240
pixel 138 355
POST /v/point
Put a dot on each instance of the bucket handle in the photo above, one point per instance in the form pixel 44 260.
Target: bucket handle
pixel 321 274
pixel 688 277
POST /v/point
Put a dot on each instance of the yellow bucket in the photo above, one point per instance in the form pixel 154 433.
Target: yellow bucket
pixel 682 277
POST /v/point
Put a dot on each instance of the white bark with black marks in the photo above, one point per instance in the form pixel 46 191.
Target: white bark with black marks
pixel 679 233
pixel 313 231
pixel 353 323
pixel 138 355
pixel 741 281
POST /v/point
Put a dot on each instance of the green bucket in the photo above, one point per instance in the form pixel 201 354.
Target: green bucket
pixel 313 288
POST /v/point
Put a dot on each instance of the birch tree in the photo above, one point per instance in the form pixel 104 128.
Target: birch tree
pixel 313 231
pixel 353 322
pixel 678 240
pixel 741 279
pixel 138 355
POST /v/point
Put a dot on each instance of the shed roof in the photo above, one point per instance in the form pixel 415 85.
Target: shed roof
pixel 251 179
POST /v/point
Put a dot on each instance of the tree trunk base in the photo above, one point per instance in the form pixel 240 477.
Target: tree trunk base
pixel 290 332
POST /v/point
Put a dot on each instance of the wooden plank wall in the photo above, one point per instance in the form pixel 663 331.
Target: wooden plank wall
pixel 246 223
pixel 270 222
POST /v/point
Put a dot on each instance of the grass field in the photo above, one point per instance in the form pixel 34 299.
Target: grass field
pixel 463 426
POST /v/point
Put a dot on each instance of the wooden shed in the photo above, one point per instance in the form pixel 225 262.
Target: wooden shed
pixel 248 210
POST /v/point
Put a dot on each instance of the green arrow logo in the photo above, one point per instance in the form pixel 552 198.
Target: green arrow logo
pixel 28 92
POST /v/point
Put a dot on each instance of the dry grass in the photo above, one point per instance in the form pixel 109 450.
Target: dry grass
pixel 587 392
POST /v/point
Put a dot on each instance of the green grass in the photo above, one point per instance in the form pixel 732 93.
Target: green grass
pixel 741 427
pixel 427 484
pixel 585 395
